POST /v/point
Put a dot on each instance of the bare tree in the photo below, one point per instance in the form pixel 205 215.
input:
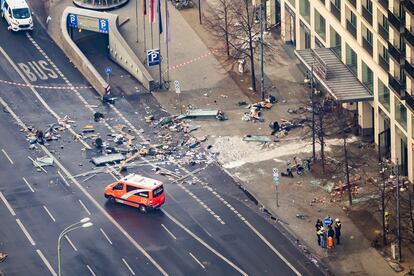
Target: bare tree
pixel 220 21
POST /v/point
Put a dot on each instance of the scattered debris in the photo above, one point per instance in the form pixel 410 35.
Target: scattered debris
pixel 257 138
pixel 105 159
pixel 97 116
pixel 88 128
pixel 3 256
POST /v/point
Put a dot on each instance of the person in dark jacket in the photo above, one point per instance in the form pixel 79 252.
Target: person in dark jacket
pixel 331 232
pixel 318 225
pixel 337 227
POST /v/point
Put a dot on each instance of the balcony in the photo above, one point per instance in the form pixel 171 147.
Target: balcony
pixel 336 11
pixel 409 6
pixel 395 21
pixel 367 15
pixel 397 87
pixel 383 32
pixel 384 63
pixel 351 28
pixel 353 2
pixel 367 45
pixel 384 4
pixel 409 101
pixel 396 53
pixel 409 35
pixel 409 68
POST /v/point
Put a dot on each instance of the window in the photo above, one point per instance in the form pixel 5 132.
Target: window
pixel 369 5
pixel 320 25
pixel 304 8
pixel 383 95
pixel 352 60
pixel 353 19
pixel 369 36
pixel 336 42
pixel 21 13
pixel 119 186
pixel 400 113
pixel 158 191
pixel 367 77
pixel 143 194
pixel 130 188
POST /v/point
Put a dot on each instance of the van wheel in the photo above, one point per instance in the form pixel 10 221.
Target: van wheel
pixel 142 208
pixel 111 199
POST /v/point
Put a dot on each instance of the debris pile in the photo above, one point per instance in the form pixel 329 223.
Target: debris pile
pixel 254 113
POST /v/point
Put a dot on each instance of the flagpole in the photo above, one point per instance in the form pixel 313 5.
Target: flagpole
pixel 136 17
pixel 159 66
pixel 167 30
pixel 152 22
pixel 144 18
pixel 159 39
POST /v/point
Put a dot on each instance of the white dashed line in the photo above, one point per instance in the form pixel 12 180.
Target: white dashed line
pixel 127 265
pixel 7 156
pixel 25 232
pixel 84 207
pixel 90 270
pixel 71 243
pixel 48 212
pixel 28 184
pixel 168 231
pixel 106 236
pixel 63 178
pixel 52 271
pixel 204 243
pixel 7 204
pixel 197 260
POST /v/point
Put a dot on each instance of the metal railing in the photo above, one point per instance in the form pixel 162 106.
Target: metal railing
pixel 383 32
pixel 336 11
pixel 367 45
pixel 351 28
pixel 383 63
pixel 367 14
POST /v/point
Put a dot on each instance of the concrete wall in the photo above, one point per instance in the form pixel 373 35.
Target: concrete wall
pixel 120 52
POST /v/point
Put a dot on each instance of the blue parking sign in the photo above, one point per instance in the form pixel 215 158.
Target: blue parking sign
pixel 153 57
pixel 72 20
pixel 103 25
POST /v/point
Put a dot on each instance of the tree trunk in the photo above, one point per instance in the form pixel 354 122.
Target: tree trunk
pixel 322 138
pixel 253 71
pixel 226 26
pixel 348 184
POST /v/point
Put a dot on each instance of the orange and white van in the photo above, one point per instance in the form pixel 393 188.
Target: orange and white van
pixel 137 191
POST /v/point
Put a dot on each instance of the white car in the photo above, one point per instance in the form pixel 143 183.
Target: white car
pixel 17 15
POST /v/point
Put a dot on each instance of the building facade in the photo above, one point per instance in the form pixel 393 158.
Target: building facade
pixel 375 39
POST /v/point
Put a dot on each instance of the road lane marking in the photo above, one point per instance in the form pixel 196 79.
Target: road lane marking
pixel 86 193
pixel 106 236
pixel 25 232
pixel 168 231
pixel 28 184
pixel 7 156
pixel 48 212
pixel 7 204
pixel 63 178
pixel 127 265
pixel 84 207
pixel 71 243
pixel 197 260
pixel 52 271
pixel 90 270
pixel 273 248
pixel 45 105
pixel 204 243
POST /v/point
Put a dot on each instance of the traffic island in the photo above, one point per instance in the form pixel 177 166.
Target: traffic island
pixel 101 5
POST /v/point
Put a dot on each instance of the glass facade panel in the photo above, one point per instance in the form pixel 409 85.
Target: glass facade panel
pixel 383 95
pixel 367 77
pixel 400 113
pixel 336 42
pixel 352 60
pixel 304 9
pixel 320 25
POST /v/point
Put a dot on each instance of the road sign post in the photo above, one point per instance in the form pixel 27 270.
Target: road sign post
pixel 108 71
pixel 178 92
pixel 276 180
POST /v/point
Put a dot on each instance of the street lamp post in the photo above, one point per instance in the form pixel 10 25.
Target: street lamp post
pixel 83 223
pixel 261 54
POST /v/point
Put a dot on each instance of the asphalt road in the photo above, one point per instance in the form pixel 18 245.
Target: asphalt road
pixel 207 226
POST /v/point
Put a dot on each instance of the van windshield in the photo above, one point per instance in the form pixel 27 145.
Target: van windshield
pixel 158 191
pixel 22 13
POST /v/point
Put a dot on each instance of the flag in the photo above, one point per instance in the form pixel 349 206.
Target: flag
pixel 152 15
pixel 159 16
pixel 167 36
pixel 144 7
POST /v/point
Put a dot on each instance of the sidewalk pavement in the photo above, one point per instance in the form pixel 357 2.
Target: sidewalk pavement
pixel 205 84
